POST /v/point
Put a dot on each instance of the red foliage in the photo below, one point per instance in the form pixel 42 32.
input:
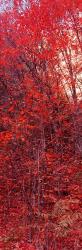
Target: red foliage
pixel 40 126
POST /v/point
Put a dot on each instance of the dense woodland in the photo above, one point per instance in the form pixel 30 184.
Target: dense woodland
pixel 41 125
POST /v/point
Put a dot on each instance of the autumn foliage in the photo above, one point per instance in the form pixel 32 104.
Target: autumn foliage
pixel 41 125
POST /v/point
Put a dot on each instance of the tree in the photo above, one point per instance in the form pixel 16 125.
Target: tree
pixel 40 74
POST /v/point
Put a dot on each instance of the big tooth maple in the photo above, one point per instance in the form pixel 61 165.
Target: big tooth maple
pixel 41 125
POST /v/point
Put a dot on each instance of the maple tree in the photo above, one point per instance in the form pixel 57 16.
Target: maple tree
pixel 40 127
